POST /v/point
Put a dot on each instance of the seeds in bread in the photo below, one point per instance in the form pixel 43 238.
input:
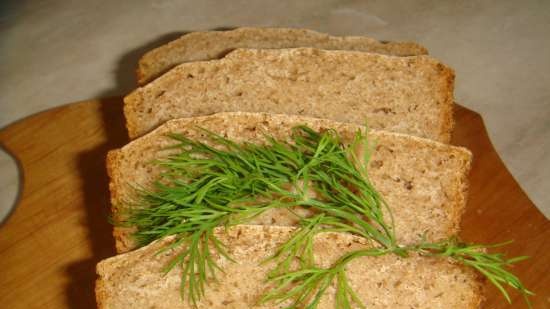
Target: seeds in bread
pixel 208 45
pixel 412 95
pixel 424 182
pixel 135 279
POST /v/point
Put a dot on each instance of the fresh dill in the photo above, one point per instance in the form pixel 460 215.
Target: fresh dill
pixel 205 186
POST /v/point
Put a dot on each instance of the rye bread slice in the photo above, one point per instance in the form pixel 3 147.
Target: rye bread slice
pixel 412 95
pixel 208 45
pixel 135 279
pixel 424 182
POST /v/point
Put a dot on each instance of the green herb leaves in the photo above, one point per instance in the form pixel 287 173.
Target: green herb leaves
pixel 491 265
pixel 224 183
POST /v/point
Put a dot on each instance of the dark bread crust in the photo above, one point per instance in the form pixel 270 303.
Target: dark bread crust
pixel 123 241
pixel 447 110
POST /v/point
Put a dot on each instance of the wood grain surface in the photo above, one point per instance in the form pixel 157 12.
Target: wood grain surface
pixel 58 232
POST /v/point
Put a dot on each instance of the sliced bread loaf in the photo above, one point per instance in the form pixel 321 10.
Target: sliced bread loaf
pixel 424 182
pixel 136 280
pixel 412 95
pixel 208 45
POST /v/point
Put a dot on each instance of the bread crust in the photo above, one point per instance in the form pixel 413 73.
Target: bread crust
pixel 447 110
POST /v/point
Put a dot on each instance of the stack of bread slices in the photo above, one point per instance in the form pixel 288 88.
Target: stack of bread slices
pixel 243 83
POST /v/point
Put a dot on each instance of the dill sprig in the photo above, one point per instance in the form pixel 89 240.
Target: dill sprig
pixel 306 285
pixel 204 186
pixel 491 265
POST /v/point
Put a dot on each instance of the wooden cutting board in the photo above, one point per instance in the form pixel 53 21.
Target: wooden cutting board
pixel 51 242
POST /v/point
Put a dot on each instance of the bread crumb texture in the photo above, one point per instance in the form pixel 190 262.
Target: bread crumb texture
pixel 135 279
pixel 412 95
pixel 424 182
pixel 208 45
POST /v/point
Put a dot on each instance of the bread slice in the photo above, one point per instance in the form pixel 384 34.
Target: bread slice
pixel 135 279
pixel 412 95
pixel 424 182
pixel 208 45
